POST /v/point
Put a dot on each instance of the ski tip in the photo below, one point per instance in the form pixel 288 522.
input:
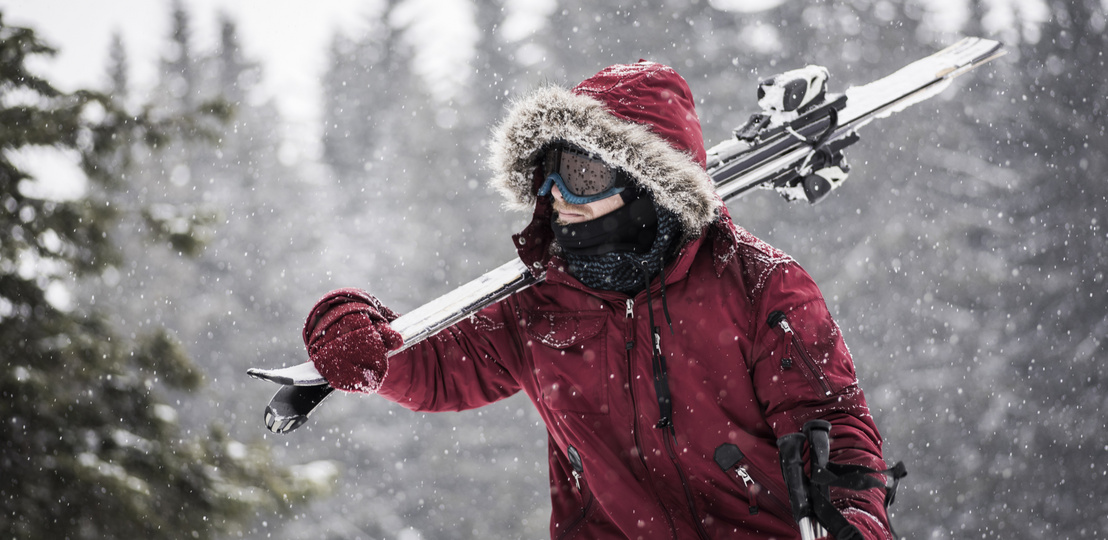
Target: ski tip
pixel 282 424
pixel 299 375
pixel 264 375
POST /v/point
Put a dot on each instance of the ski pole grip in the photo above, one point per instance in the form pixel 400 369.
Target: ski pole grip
pixel 818 433
pixel 790 447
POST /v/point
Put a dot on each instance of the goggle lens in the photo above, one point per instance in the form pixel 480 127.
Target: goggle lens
pixel 581 178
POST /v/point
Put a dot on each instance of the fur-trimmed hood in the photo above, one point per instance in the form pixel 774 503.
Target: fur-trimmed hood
pixel 639 117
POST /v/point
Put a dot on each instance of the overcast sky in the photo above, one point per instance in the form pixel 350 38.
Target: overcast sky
pixel 287 36
pixel 290 38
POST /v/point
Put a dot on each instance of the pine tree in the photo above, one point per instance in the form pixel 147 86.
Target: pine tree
pixel 180 67
pixel 1041 246
pixel 90 446
pixel 119 70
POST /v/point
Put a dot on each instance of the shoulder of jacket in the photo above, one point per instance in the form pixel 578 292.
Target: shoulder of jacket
pixel 756 259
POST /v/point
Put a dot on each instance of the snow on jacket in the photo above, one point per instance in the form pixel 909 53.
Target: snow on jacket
pixel 584 356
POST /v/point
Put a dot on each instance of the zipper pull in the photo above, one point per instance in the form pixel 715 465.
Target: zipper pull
pixel 745 476
pixel 790 337
pixel 630 308
pixel 752 489
pixel 578 466
pixel 777 318
pixel 728 456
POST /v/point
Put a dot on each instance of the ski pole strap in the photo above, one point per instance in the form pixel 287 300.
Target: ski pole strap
pixel 858 478
pixel 855 478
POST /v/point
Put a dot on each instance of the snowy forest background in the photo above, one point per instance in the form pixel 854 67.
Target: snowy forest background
pixel 964 259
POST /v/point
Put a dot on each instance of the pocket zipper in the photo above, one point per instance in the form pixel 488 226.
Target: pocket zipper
pixel 729 458
pixel 577 472
pixel 752 488
pixel 578 466
pixel 778 319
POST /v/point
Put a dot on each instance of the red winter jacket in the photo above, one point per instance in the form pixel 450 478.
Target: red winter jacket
pixel 584 356
pixel 584 359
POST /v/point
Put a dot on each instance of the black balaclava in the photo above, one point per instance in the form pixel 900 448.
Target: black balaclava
pixel 622 250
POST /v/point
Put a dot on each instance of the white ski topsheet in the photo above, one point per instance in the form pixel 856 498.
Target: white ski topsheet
pixel 444 311
pixel 918 81
pixel 911 84
pixel 299 375
pixel 426 320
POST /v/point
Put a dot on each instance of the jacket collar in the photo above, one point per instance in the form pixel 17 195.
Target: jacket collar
pixel 534 243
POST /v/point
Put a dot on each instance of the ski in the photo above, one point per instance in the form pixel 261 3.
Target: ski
pixel 800 128
pixel 303 388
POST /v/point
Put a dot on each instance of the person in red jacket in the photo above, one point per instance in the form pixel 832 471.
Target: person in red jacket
pixel 666 349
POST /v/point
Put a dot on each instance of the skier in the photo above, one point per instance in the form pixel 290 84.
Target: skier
pixel 662 337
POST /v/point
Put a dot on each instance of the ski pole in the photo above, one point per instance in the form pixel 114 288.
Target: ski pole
pixel 818 433
pixel 790 447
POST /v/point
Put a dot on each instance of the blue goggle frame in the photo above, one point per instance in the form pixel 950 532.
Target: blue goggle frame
pixel 581 178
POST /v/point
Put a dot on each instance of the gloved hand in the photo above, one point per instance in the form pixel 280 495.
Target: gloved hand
pixel 348 338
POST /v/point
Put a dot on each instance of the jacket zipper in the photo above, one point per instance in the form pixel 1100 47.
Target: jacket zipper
pixel 731 459
pixel 670 439
pixel 635 415
pixel 578 470
pixel 814 373
pixel 577 465
pixel 749 471
pixel 751 489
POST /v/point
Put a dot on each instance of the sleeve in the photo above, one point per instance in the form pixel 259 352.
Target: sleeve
pixel 802 371
pixel 463 367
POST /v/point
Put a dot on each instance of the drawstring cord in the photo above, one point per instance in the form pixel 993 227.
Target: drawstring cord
pixel 658 360
pixel 665 305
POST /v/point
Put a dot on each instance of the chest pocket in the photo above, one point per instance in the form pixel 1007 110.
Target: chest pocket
pixel 571 364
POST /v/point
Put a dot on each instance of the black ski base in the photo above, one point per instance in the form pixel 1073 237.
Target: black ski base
pixel 291 406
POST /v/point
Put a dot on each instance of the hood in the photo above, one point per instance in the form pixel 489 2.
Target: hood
pixel 639 117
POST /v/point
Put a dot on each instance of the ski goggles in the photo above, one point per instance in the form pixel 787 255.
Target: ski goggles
pixel 580 178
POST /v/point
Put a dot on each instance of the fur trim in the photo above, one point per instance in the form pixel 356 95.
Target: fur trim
pixel 553 113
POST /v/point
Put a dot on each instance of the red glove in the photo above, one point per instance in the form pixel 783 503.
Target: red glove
pixel 348 338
